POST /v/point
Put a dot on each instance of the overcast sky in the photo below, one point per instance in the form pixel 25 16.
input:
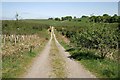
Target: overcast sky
pixel 28 10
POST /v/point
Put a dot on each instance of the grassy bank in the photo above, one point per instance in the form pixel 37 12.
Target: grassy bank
pixel 102 68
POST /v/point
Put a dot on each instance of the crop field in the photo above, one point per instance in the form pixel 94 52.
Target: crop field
pixel 21 42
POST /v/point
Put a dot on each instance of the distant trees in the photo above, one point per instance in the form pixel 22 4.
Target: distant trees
pixel 96 19
pixel 57 19
pixel 84 17
pixel 16 16
pixel 105 18
pixel 62 18
pixel 74 17
pixel 66 18
pixel 50 18
pixel 114 18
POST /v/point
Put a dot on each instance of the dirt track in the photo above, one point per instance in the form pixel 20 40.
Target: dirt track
pixel 41 67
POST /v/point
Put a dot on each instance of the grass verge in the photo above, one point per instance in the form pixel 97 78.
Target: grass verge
pixel 105 68
pixel 57 63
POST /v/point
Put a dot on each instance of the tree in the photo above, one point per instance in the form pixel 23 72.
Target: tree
pixel 114 18
pixel 105 15
pixel 16 16
pixel 63 18
pixel 66 18
pixel 50 18
pixel 57 19
pixel 118 19
pixel 84 16
pixel 106 18
pixel 74 17
pixel 92 18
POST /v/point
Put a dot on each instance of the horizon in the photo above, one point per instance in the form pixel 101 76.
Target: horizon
pixel 45 10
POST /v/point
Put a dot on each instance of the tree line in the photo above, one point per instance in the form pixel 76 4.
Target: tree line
pixel 105 18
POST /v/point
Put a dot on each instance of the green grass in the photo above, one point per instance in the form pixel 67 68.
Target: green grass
pixel 16 64
pixel 102 68
pixel 22 27
pixel 56 61
pixel 61 41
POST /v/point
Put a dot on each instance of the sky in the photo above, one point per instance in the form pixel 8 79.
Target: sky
pixel 60 0
pixel 44 10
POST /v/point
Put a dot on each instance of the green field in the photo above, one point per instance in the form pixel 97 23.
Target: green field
pixel 94 44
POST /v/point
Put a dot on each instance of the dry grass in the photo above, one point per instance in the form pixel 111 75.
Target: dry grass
pixel 57 63
pixel 16 57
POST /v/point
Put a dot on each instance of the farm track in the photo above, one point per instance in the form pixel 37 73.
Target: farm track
pixel 42 68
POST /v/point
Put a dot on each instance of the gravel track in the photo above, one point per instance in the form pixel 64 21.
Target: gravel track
pixel 41 68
